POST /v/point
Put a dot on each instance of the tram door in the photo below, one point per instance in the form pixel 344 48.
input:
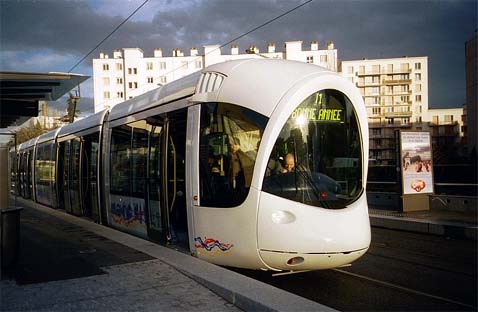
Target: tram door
pixel 156 224
pixel 167 218
pixel 175 170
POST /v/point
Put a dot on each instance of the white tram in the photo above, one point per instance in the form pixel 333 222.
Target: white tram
pixel 253 163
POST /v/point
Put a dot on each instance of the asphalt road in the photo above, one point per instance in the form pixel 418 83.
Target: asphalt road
pixel 401 272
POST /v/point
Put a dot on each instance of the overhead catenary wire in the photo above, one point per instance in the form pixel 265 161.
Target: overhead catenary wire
pixel 200 56
pixel 109 35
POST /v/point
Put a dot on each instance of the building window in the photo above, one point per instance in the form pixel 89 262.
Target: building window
pixel 418 98
pixel 162 65
pixel 184 65
pixel 119 80
pixel 362 70
pixel 390 68
pixel 418 77
pixel 132 71
pixel 133 85
pixel 449 118
pixel 119 95
pixel 106 81
pixel 404 67
pixel 418 87
pixel 198 64
pixel 119 66
pixel 418 66
pixel 350 70
pixel 149 65
pixel 376 69
pixel 106 94
pixel 310 59
pixel 150 79
pixel 376 110
pixel 162 79
pixel 323 58
pixel 106 67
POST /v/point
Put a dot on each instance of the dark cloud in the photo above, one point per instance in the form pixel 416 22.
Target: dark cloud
pixel 359 29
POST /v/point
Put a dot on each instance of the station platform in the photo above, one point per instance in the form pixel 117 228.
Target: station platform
pixel 68 263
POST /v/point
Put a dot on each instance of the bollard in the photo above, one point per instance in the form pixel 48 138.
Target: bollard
pixel 10 237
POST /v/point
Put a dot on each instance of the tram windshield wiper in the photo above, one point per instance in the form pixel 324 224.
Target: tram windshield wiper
pixel 308 179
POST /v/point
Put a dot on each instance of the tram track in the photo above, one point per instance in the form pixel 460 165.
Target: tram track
pixel 405 289
pixel 402 256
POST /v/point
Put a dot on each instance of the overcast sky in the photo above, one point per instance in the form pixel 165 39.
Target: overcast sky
pixel 43 36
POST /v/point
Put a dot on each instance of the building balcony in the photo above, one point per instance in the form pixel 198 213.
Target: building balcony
pixel 396 71
pixel 384 93
pixel 442 123
pixel 397 114
pixel 393 82
pixel 367 84
pixel 368 73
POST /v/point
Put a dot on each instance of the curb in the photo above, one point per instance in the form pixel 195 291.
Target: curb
pixel 447 229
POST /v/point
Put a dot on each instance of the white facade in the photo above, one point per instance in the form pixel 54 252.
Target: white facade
pixel 129 73
pixel 395 91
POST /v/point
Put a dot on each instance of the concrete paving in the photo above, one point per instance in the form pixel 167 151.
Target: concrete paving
pixel 167 280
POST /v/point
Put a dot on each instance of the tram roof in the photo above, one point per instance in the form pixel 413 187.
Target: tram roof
pixel 261 84
pixel 27 144
pixel 91 122
pixel 174 90
pixel 51 135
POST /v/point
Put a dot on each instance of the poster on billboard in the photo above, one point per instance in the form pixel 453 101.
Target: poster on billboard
pixel 417 166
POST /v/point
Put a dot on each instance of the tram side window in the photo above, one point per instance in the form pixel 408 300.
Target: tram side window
pixel 129 150
pixel 229 140
pixel 45 174
pixel 120 160
pixel 139 154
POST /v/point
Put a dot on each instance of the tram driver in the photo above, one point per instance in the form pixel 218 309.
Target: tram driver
pixel 289 163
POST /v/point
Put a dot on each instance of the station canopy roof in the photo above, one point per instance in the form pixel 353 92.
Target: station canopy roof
pixel 20 92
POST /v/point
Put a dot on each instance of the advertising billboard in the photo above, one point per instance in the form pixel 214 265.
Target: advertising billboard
pixel 417 166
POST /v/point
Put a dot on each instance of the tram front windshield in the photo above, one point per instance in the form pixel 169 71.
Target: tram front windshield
pixel 316 159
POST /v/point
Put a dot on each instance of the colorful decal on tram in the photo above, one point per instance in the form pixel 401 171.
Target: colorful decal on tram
pixel 211 245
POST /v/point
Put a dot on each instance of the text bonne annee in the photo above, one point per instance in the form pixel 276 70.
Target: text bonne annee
pixel 322 114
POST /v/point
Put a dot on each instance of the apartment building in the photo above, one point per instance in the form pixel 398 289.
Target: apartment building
pixel 395 92
pixel 129 73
